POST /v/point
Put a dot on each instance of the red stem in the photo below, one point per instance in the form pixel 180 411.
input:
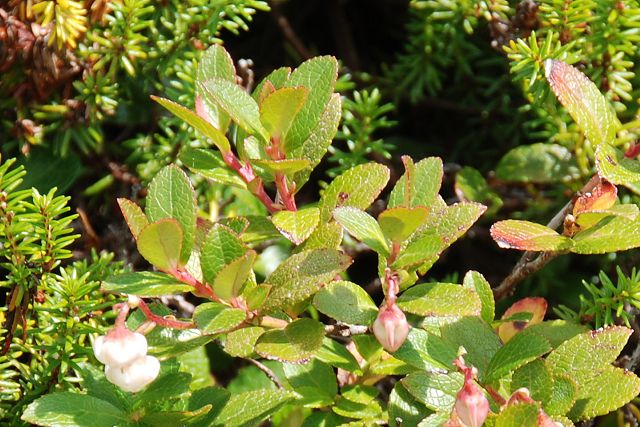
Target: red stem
pixel 254 183
pixel 286 195
pixel 393 287
pixel 162 321
pixel 201 289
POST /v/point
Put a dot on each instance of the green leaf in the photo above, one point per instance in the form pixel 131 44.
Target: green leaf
pixel 319 76
pixel 369 413
pixel 528 236
pixel 229 280
pixel 399 223
pixel 426 351
pixel 220 248
pixel 302 274
pixel 172 196
pixel 478 339
pixel 214 318
pixel 419 250
pixel 588 219
pixel 555 331
pixel 318 142
pixel 236 103
pixel 586 358
pixel 285 166
pixel 436 390
pixel 442 227
pixel 420 184
pixel 136 219
pixel 471 186
pixel 160 243
pixel 476 281
pixel 537 378
pixel 251 407
pixel 328 235
pixel 297 226
pixel 209 164
pixel 584 102
pixel 275 80
pixel 404 409
pixel 168 387
pixel 335 354
pixel 315 381
pixel 440 299
pixel 538 163
pixel 241 342
pixel 256 296
pixel 615 167
pixel 279 109
pixel 363 227
pixel 517 352
pixel 197 122
pixel 46 170
pixel 346 302
pixel 298 342
pixel 145 284
pixel 563 396
pixel 518 415
pixel 612 234
pixel 216 62
pixel 357 187
pixel 72 409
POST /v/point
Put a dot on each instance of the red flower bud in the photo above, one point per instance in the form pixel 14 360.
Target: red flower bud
pixel 472 406
pixel 391 327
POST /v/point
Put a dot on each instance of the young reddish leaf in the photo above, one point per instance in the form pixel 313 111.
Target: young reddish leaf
pixel 602 197
pixel 534 305
pixel 528 236
pixel 279 109
pixel 584 102
pixel 399 223
pixel 136 219
pixel 160 243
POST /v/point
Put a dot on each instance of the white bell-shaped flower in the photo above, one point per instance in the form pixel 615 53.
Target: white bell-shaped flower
pixel 134 376
pixel 391 327
pixel 120 347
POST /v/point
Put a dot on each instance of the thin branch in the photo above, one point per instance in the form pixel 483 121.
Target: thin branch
pixel 529 263
pixel 163 321
pixel 272 376
pixel 287 31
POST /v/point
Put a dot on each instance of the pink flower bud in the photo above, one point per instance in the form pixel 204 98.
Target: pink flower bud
pixel 120 347
pixel 472 406
pixel 134 376
pixel 391 327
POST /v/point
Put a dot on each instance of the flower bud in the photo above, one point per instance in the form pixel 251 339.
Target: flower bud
pixel 472 406
pixel 391 327
pixel 134 376
pixel 120 347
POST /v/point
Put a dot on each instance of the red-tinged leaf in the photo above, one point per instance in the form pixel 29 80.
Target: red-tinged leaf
pixel 602 197
pixel 136 219
pixel 584 102
pixel 534 305
pixel 528 236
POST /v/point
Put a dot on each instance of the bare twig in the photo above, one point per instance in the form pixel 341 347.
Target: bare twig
pixel 268 372
pixel 287 30
pixel 530 262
